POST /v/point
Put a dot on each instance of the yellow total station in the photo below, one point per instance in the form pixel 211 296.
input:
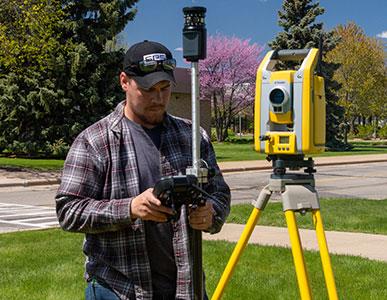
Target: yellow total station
pixel 289 124
pixel 289 105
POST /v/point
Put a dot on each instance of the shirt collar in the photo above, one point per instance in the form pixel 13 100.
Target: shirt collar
pixel 116 117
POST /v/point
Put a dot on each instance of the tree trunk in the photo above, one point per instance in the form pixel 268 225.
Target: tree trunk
pixel 216 117
pixel 219 129
pixel 375 122
pixel 225 134
pixel 352 129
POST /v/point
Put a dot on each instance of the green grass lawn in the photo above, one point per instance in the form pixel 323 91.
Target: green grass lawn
pixel 354 215
pixel 265 272
pixel 224 152
pixel 234 152
pixel 237 152
pixel 359 149
pixel 48 264
pixel 36 164
pixel 41 265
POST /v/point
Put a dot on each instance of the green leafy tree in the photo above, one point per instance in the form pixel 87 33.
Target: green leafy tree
pixel 29 34
pixel 362 74
pixel 30 40
pixel 300 31
pixel 49 93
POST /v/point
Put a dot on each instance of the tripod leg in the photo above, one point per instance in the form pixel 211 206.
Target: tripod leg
pixel 298 256
pixel 240 246
pixel 325 259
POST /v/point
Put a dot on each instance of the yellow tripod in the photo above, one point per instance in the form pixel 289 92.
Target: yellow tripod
pixel 298 195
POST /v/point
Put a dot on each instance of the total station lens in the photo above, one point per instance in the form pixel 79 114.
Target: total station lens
pixel 277 96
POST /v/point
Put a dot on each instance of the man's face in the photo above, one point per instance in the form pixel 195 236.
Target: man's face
pixel 145 107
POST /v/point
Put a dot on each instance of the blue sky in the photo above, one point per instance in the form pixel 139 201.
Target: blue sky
pixel 257 20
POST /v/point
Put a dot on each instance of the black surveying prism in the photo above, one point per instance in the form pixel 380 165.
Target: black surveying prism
pixel 194 33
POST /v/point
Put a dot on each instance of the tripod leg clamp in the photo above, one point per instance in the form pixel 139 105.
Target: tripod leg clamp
pixel 263 198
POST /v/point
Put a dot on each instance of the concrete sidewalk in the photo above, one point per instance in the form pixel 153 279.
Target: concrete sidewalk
pixel 32 178
pixel 25 178
pixel 372 246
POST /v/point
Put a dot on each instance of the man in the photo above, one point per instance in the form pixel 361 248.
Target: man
pixel 132 251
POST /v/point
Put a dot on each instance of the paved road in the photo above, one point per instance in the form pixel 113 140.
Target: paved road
pixel 345 181
pixel 20 216
pixel 27 208
pixel 37 195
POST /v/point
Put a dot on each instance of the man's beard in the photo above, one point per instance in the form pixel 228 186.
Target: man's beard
pixel 152 119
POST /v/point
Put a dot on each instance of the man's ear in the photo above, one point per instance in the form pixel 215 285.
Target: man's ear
pixel 124 81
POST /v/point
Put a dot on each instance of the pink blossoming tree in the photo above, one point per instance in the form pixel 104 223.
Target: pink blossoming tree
pixel 227 78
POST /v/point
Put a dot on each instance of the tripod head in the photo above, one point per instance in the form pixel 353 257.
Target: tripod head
pixel 292 162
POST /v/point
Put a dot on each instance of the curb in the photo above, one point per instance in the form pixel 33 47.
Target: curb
pixel 351 162
pixel 241 169
pixel 29 183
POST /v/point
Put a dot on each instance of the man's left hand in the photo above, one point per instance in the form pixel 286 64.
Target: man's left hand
pixel 200 218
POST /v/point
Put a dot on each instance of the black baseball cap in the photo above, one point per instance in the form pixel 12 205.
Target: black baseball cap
pixel 148 63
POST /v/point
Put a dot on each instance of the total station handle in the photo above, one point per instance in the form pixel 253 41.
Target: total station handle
pixel 290 55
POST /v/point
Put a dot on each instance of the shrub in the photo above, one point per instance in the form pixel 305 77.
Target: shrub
pixel 58 149
pixel 213 135
pixel 230 133
pixel 382 132
pixel 22 148
pixel 365 131
pixel 240 140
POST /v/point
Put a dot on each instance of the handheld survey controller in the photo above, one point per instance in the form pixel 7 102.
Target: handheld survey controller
pixel 175 191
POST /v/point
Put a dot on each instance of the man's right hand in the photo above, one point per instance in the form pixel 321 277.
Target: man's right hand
pixel 147 207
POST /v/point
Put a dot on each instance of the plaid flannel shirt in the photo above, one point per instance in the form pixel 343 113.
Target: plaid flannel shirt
pixel 100 179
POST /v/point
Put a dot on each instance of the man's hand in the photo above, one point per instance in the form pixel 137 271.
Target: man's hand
pixel 201 217
pixel 147 207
